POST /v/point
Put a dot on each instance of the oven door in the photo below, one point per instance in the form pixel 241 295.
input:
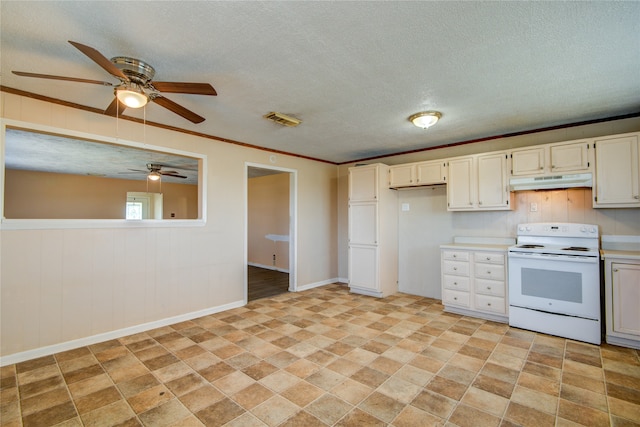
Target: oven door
pixel 555 284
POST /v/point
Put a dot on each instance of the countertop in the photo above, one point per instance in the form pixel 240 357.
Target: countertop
pixel 618 247
pixel 497 244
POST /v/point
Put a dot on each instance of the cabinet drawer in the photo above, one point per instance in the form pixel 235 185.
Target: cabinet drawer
pixel 491 304
pixel 490 287
pixel 458 298
pixel 455 255
pixel 489 271
pixel 489 257
pixel 456 282
pixel 456 268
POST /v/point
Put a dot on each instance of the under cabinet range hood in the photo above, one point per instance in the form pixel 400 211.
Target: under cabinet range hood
pixel 551 182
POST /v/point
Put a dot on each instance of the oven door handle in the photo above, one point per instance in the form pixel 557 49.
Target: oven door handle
pixel 553 257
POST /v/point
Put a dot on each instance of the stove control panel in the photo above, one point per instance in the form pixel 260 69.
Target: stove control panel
pixel 558 229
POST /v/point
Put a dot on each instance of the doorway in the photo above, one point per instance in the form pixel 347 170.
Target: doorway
pixel 270 225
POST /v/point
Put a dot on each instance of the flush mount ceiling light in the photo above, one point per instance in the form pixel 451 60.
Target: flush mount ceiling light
pixel 132 96
pixel 425 119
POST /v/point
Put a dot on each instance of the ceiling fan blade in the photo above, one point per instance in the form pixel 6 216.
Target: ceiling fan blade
pixel 116 108
pixel 179 87
pixel 135 171
pixel 69 79
pixel 178 109
pixel 101 60
pixel 173 175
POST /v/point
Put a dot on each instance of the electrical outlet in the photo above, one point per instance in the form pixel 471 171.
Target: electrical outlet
pixel 533 207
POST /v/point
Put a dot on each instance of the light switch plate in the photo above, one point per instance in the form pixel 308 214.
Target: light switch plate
pixel 406 207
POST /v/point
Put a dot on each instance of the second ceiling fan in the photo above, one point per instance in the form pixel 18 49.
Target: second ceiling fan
pixel 136 85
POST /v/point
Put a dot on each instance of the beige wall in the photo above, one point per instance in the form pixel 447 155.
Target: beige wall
pixel 429 224
pixel 59 285
pixel 31 195
pixel 268 213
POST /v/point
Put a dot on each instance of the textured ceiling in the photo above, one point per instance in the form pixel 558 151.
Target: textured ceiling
pixel 351 71
pixel 25 150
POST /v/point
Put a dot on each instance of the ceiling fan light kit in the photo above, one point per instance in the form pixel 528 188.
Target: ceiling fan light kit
pixel 131 97
pixel 425 119
pixel 154 176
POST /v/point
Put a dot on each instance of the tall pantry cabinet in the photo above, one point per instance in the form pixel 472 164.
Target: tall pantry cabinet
pixel 373 231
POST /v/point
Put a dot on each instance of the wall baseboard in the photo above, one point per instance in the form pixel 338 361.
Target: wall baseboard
pixel 119 333
pixel 315 285
pixel 267 267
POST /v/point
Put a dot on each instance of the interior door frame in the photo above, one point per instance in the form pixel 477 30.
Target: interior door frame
pixel 293 221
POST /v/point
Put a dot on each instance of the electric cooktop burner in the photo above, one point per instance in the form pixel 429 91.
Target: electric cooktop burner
pixel 529 246
pixel 575 248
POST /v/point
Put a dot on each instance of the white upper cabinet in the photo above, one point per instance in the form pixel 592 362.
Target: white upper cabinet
pixel 461 189
pixel 363 183
pixel 478 183
pixel 549 159
pixel 493 189
pixel 527 162
pixel 572 157
pixel 429 173
pixel 402 175
pixel 417 174
pixel 617 176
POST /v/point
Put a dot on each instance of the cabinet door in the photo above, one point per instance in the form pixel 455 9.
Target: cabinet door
pixel 460 189
pixel 363 267
pixel 527 162
pixel 617 177
pixel 402 176
pixel 570 157
pixel 363 223
pixel 431 173
pixel 363 183
pixel 626 298
pixel 492 181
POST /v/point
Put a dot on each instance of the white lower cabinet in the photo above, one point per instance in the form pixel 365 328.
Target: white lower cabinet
pixel 474 282
pixel 622 298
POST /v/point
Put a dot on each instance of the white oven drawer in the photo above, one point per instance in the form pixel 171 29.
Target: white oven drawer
pixel 455 255
pixel 489 257
pixel 491 304
pixel 458 283
pixel 457 298
pixel 488 271
pixel 490 287
pixel 456 268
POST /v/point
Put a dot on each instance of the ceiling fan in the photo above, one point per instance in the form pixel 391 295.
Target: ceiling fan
pixel 154 172
pixel 136 87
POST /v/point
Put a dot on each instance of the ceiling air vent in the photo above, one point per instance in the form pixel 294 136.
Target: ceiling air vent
pixel 283 119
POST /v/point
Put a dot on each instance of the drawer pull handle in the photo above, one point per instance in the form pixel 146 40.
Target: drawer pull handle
pixel 488 288
pixel 455 256
pixel 455 268
pixel 488 258
pixel 455 298
pixel 488 272
pixel 488 304
pixel 456 283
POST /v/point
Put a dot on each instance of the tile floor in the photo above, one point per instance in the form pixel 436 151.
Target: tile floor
pixel 326 357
